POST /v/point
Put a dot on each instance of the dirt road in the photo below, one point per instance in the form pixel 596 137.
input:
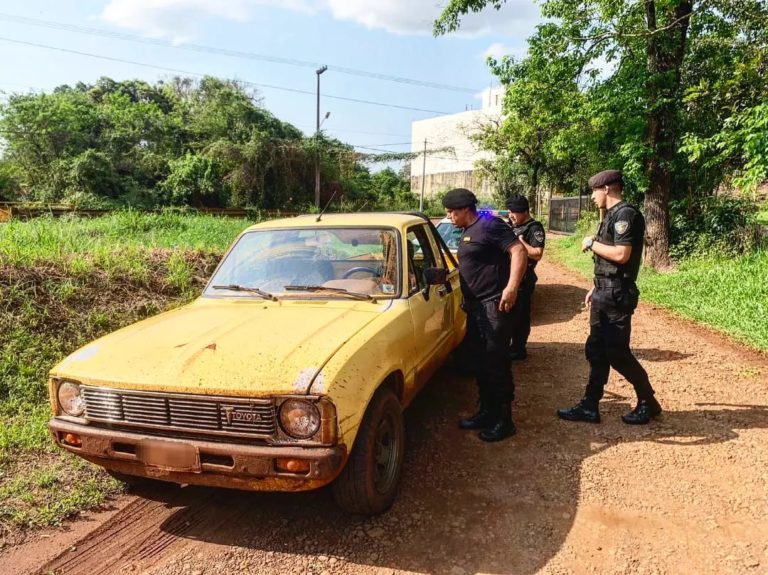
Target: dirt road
pixel 688 494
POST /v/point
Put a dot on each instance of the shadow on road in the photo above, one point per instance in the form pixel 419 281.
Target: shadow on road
pixel 464 506
pixel 557 303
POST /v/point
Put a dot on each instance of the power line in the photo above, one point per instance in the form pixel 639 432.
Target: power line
pixel 186 72
pixel 374 149
pixel 331 129
pixel 225 52
pixel 379 145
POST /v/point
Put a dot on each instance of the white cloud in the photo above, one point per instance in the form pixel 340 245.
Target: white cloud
pixel 178 19
pixel 498 50
pixel 396 16
pixel 517 17
pixel 181 19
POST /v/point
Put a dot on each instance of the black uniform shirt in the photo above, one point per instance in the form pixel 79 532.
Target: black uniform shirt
pixel 483 259
pixel 623 225
pixel 533 233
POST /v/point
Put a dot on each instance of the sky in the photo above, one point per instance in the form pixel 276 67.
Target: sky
pixel 377 51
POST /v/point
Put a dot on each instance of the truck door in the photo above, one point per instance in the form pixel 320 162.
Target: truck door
pixel 430 306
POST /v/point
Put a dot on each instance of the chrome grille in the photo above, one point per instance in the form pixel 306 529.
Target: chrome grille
pixel 181 412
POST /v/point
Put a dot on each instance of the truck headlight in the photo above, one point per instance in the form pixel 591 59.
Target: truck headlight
pixel 70 399
pixel 299 418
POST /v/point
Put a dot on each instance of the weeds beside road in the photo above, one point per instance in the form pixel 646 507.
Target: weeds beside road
pixel 63 283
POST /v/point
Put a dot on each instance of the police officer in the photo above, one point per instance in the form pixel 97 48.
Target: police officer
pixel 491 266
pixel 617 249
pixel 531 234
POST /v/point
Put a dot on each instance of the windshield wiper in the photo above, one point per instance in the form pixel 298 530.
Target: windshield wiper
pixel 313 288
pixel 257 291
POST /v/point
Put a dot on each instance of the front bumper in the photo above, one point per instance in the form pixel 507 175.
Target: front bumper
pixel 232 465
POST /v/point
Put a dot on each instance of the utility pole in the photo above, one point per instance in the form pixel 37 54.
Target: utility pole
pixel 317 139
pixel 423 176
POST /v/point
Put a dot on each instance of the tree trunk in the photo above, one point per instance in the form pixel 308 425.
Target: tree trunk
pixel 533 190
pixel 657 216
pixel 665 51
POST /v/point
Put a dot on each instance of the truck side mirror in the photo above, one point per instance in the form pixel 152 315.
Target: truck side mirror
pixel 433 277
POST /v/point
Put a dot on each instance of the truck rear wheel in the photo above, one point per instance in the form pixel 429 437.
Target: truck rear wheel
pixel 368 483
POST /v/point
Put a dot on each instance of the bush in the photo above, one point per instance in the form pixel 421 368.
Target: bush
pixel 587 224
pixel 92 175
pixel 193 177
pixel 713 226
pixel 9 185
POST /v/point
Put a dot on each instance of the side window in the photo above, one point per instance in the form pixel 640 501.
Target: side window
pixel 438 255
pixel 420 255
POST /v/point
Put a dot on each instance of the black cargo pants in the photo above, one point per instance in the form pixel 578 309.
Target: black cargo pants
pixel 610 327
pixel 521 314
pixel 487 344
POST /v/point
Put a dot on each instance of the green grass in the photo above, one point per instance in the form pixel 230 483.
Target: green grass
pixel 729 295
pixel 39 496
pixel 762 215
pixel 117 243
pixel 64 282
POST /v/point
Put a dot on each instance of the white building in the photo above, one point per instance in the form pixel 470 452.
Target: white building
pixel 453 169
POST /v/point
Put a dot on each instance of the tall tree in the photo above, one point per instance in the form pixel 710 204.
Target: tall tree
pixel 649 43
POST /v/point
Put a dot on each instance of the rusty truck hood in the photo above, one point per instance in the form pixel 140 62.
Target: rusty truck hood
pixel 239 348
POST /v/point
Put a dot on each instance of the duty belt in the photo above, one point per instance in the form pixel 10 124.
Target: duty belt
pixel 612 282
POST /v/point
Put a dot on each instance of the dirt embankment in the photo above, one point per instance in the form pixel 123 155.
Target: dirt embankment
pixel 47 310
pixel 687 494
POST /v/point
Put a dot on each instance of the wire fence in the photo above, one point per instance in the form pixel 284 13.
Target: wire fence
pixel 564 213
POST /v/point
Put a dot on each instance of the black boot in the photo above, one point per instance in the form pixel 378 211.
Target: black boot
pixel 518 355
pixel 485 417
pixel 502 428
pixel 646 410
pixel 585 410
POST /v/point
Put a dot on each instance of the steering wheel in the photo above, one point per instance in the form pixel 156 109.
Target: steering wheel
pixel 352 271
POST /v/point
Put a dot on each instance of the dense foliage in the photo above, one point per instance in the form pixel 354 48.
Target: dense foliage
pixel 178 142
pixel 671 91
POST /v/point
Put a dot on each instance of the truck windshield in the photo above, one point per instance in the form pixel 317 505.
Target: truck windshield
pixel 357 260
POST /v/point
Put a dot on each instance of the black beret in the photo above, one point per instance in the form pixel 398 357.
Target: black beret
pixel 459 198
pixel 518 204
pixel 605 178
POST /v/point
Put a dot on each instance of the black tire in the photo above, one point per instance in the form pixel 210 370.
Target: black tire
pixel 368 483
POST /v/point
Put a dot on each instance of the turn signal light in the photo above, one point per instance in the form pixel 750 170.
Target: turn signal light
pixel 292 465
pixel 72 439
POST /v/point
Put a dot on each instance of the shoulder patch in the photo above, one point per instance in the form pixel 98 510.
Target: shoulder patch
pixel 621 226
pixel 539 235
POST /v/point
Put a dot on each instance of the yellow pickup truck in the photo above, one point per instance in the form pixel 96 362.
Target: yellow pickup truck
pixel 289 372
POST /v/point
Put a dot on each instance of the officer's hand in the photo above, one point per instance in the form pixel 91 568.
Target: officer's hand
pixel 588 299
pixel 586 243
pixel 508 299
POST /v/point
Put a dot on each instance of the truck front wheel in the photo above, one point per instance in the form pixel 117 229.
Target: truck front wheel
pixel 368 483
